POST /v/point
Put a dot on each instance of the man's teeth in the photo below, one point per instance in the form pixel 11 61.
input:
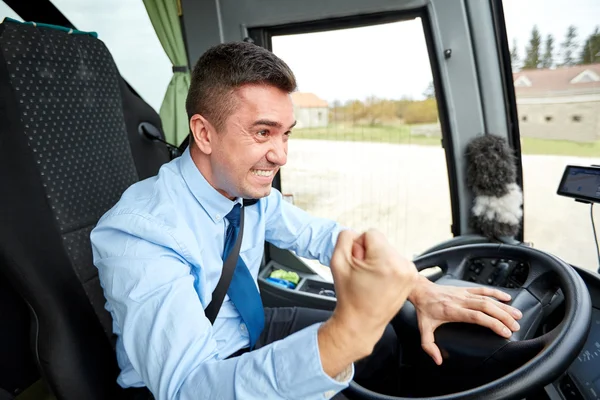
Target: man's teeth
pixel 262 172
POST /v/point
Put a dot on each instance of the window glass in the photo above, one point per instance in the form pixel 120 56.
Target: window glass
pixel 366 151
pixel 6 11
pixel 125 28
pixel 555 48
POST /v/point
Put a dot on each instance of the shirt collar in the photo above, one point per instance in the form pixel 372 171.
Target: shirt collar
pixel 214 203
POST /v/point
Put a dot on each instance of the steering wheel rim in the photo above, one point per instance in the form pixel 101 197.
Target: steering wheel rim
pixel 562 344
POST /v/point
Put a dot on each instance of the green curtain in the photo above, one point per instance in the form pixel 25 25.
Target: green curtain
pixel 164 15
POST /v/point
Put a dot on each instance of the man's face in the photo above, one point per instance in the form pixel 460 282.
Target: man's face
pixel 253 144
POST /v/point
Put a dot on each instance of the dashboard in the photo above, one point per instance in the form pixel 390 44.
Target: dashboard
pixel 502 272
pixel 582 380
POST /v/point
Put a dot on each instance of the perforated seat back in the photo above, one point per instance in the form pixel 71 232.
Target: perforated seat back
pixel 65 159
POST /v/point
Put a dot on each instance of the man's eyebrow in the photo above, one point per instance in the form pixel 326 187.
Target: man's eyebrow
pixel 274 124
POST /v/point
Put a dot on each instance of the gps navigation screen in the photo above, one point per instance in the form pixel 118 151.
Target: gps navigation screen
pixel 581 183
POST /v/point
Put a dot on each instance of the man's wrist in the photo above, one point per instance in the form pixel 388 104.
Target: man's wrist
pixel 422 283
pixel 340 345
pixel 347 340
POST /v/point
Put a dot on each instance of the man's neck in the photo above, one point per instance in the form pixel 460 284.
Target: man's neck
pixel 202 162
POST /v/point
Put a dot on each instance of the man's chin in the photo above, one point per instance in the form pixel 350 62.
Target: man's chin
pixel 256 194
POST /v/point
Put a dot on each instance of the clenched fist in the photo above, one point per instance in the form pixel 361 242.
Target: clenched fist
pixel 372 282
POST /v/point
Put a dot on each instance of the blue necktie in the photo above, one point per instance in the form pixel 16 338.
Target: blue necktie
pixel 242 289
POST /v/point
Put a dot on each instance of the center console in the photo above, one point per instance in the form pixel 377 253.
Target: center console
pixel 311 291
pixel 503 272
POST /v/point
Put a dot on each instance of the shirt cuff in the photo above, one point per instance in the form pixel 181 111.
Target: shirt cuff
pixel 299 369
pixel 345 375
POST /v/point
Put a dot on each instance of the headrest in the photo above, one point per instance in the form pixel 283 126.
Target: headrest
pixel 70 31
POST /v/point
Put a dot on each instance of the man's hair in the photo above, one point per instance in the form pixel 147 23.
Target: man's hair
pixel 224 68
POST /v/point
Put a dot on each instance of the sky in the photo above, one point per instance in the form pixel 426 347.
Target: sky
pixel 391 60
pixel 351 63
pixel 386 61
pixel 551 17
pixel 125 28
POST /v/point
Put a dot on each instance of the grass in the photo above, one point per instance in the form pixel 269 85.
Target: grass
pixel 363 133
pixel 400 134
pixel 560 147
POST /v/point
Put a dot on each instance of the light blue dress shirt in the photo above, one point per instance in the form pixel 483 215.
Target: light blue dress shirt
pixel 158 253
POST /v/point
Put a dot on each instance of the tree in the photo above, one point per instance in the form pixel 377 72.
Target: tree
pixel 590 52
pixel 336 111
pixel 379 110
pixel 532 51
pixel 569 46
pixel 429 93
pixel 419 112
pixel 401 107
pixel 355 109
pixel 547 58
pixel 514 56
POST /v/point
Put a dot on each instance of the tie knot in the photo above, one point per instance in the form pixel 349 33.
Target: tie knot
pixel 234 215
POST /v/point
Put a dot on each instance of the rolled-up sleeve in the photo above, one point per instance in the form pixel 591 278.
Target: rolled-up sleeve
pixel 168 339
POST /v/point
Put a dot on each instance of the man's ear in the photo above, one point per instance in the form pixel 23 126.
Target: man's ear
pixel 203 133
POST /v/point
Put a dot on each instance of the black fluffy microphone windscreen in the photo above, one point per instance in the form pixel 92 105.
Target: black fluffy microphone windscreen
pixel 491 175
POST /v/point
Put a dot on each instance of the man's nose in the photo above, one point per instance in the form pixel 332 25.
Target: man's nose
pixel 278 153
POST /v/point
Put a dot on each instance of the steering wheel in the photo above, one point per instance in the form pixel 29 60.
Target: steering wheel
pixel 526 361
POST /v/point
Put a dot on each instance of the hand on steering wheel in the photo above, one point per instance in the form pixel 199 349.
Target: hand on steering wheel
pixel 436 305
pixel 524 360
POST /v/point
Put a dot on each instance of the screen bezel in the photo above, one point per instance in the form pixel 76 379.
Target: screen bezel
pixel 571 195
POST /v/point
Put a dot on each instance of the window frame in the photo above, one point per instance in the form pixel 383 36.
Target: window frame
pixel 509 94
pixel 43 11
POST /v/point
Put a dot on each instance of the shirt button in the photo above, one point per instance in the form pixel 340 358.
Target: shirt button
pixel 218 217
pixel 243 328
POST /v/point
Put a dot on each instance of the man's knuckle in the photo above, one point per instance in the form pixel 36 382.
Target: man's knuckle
pixel 412 274
pixel 485 306
pixel 405 273
pixel 478 317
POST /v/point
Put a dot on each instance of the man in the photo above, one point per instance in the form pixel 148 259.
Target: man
pixel 160 254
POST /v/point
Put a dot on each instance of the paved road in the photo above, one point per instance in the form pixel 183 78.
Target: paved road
pixel 403 191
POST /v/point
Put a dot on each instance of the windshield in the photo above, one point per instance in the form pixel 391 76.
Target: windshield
pixel 555 47
pixel 367 152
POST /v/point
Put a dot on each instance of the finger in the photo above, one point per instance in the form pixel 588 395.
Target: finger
pixel 483 291
pixel 514 312
pixel 342 252
pixel 358 248
pixel 429 346
pixel 358 251
pixel 493 309
pixel 345 240
pixel 487 291
pixel 481 318
pixel 374 243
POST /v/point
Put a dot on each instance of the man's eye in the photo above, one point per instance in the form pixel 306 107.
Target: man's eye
pixel 264 132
